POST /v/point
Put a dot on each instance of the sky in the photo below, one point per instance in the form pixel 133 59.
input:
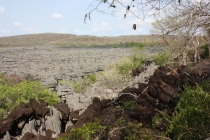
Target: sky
pixel 19 17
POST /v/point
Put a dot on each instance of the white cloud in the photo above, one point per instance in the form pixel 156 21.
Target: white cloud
pixel 79 32
pixel 141 27
pixel 120 13
pixel 30 29
pixel 103 27
pixel 62 30
pixel 17 24
pixel 26 28
pixel 104 24
pixel 4 31
pixel 1 9
pixel 96 29
pixel 56 15
pixel 138 22
pixel 145 21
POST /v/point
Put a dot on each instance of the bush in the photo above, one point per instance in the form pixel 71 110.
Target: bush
pixel 191 118
pixel 162 58
pixel 86 132
pixel 12 96
pixel 10 79
pixel 135 44
pixel 204 51
pixel 81 85
pixel 126 66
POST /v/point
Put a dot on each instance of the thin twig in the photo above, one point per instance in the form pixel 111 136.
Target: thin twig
pixel 142 92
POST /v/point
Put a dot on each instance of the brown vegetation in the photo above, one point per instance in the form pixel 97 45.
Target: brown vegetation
pixel 48 39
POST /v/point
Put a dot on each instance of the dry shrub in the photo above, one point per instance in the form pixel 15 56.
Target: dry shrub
pixel 11 79
pixel 112 77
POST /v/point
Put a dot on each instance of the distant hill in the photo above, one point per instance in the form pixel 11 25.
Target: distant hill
pixel 55 39
pixel 32 39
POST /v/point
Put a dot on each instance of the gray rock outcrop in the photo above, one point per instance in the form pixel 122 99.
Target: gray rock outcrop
pixel 53 121
pixel 77 101
pixel 56 63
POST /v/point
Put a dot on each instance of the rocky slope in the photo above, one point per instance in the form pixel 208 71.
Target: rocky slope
pixel 50 64
pixel 40 121
pixel 152 88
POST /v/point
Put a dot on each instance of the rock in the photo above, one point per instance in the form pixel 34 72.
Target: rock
pixel 30 127
pixel 50 82
pixel 53 121
pixel 109 91
pixel 30 136
pixel 78 101
pixel 97 91
pixel 63 108
pixel 208 138
pixel 40 109
pixel 51 134
pixel 7 136
pixel 15 120
pixel 64 89
pixel 90 113
pixel 142 75
pixel 59 63
pixel 43 103
pixel 74 116
pixel 68 125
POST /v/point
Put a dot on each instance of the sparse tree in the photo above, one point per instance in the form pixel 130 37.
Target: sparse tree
pixel 138 8
pixel 186 19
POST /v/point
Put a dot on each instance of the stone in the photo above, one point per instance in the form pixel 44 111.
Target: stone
pixel 15 119
pixel 78 101
pixel 53 121
pixel 40 109
pixel 30 127
pixel 68 124
pixel 63 108
pixel 7 136
pixel 50 82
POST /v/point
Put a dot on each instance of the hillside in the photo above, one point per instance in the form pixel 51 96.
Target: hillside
pixel 48 39
pixel 132 98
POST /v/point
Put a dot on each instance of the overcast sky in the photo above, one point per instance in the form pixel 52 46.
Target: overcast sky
pixel 18 17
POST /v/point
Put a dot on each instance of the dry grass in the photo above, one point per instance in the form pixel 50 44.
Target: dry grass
pixel 68 40
pixel 111 78
pixel 31 39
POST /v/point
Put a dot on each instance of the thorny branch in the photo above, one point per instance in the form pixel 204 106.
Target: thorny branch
pixel 134 95
pixel 138 8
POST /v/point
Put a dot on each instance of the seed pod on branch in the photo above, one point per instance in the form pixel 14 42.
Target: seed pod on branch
pixel 89 17
pixel 179 1
pixel 134 26
pixel 112 6
pixel 86 15
pixel 85 18
pixel 128 8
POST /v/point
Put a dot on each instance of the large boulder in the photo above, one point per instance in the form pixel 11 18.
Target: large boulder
pixel 78 101
pixel 16 120
pixel 53 121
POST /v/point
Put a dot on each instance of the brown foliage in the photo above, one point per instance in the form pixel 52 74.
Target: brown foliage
pixel 11 79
